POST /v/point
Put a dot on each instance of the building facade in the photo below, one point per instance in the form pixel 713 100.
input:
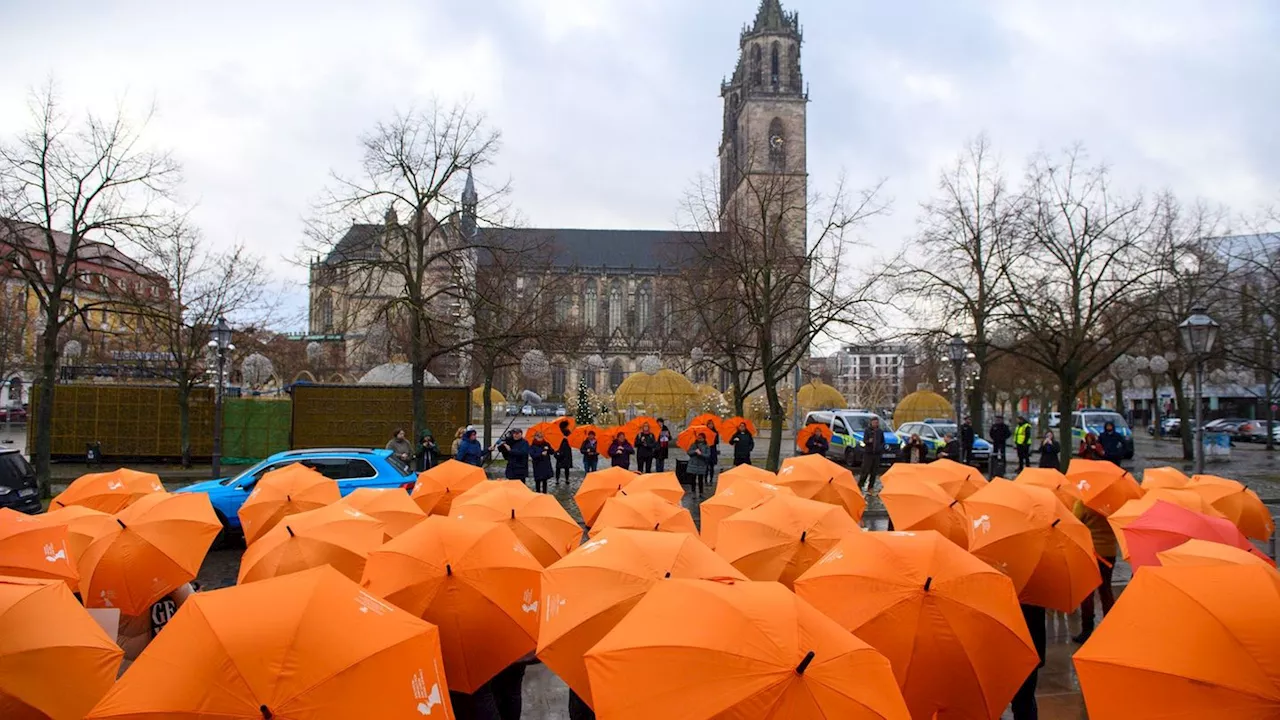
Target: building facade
pixel 871 376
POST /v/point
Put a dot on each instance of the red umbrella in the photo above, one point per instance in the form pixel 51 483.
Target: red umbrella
pixel 1166 526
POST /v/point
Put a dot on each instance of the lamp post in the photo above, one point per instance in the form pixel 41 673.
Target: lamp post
pixel 1198 333
pixel 220 345
pixel 956 351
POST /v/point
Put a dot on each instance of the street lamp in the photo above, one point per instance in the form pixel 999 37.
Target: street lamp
pixel 957 350
pixel 1198 333
pixel 220 345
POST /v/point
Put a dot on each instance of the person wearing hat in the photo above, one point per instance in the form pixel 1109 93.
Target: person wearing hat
pixel 469 449
pixel 590 452
pixel 564 453
pixel 515 450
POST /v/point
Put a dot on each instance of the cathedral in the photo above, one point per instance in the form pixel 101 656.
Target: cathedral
pixel 617 285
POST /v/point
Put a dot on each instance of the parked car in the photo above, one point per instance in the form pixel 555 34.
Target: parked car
pixel 352 467
pixel 526 410
pixel 15 413
pixel 559 411
pixel 1252 431
pixel 932 430
pixel 513 410
pixel 847 427
pixel 1093 420
pixel 1230 426
pixel 18 488
pixel 1168 426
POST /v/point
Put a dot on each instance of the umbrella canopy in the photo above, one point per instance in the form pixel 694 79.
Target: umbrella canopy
pixel 925 603
pixel 58 663
pixel 31 547
pixel 1133 509
pixel 1164 477
pixel 727 502
pixel 1103 486
pixel 391 506
pixel 664 484
pixel 1166 525
pixel 636 424
pixel 712 422
pixel 814 477
pixel 438 487
pixel 307 645
pixel 336 535
pixel 475 581
pixel 643 511
pixel 1009 528
pixel 579 435
pixel 1187 642
pixel 689 436
pixel 537 519
pixel 806 432
pixel 1237 503
pixel 731 424
pixel 1207 552
pixel 782 537
pixel 740 473
pixel 108 492
pixel 1051 479
pixel 158 545
pixel 599 486
pixel 1068 568
pixel 83 525
pixel 291 489
pixel 595 586
pixel 754 650
pixel 950 483
pixel 550 432
pixel 967 479
pixel 916 504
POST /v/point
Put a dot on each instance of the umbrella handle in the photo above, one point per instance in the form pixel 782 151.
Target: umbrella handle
pixel 1103 560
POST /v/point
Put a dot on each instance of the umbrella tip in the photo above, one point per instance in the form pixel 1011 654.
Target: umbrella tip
pixel 121 522
pixel 266 712
pixel 1055 522
pixel 289 530
pixel 655 526
pixel 513 513
pixel 804 664
pixel 59 503
pixel 288 498
pixel 664 577
pixel 927 582
pixel 803 535
pixel 448 570
pixel 953 503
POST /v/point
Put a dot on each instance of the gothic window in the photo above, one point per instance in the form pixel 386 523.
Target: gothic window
pixel 700 375
pixel 590 305
pixel 774 70
pixel 668 318
pixel 725 380
pixel 777 145
pixel 589 378
pixel 562 309
pixel 793 66
pixel 755 65
pixel 615 375
pixel 644 307
pixel 326 313
pixel 558 379
pixel 616 307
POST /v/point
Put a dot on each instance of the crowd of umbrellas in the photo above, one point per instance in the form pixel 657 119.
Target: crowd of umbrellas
pixel 377 604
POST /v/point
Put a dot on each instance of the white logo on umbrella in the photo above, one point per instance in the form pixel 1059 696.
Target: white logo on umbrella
pixel 594 545
pixel 1083 485
pixel 834 555
pixel 983 523
pixel 553 604
pixel 52 556
pixel 529 605
pixel 115 485
pixel 787 470
pixel 428 699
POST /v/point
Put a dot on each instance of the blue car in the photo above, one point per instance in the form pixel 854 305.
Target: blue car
pixel 352 468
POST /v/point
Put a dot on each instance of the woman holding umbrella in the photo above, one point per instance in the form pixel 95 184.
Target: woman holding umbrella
pixel 646 448
pixel 743 444
pixel 590 452
pixel 540 453
pixel 564 454
pixel 700 454
pixel 664 444
pixel 515 450
pixel 620 451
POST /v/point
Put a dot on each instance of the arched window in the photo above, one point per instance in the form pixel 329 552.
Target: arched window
pixel 615 375
pixel 325 311
pixel 616 308
pixel 562 309
pixel 559 375
pixel 793 66
pixel 755 65
pixel 774 70
pixel 777 144
pixel 644 307
pixel 589 378
pixel 590 305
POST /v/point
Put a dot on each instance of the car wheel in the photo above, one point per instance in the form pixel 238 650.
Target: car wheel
pixel 850 458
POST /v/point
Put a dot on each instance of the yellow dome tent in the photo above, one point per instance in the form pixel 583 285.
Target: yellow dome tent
pixel 495 397
pixel 921 405
pixel 665 393
pixel 817 395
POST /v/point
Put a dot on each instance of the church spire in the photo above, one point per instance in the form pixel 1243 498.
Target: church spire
pixel 469 201
pixel 771 18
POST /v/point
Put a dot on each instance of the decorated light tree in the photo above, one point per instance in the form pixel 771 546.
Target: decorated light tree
pixel 583 415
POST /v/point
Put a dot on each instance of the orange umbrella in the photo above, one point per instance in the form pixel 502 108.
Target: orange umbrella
pixel 1187 642
pixel 1165 525
pixel 336 535
pixel 158 544
pixel 643 511
pixel 627 429
pixel 1009 528
pixel 711 422
pixel 664 484
pixel 1051 479
pixel 925 604
pixel 806 432
pixel 753 650
pixel 740 473
pixel 1103 486
pixel 437 488
pixel 1164 477
pixel 814 477
pixel 689 436
pixel 579 435
pixel 1133 509
pixel 636 424
pixel 291 489
pixel 951 483
pixel 915 504
pixel 782 537
pixel 731 424
pixel 595 586
pixel 1067 571
pixel 970 478
pixel 1237 503
pixel 390 506
pixel 475 580
pixel 83 525
pixel 730 501
pixel 57 661
pixel 109 492
pixel 537 519
pixel 307 645
pixel 599 486
pixel 31 547
pixel 550 432
pixel 1208 552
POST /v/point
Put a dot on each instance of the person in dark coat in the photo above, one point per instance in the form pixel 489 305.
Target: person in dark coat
pixel 428 451
pixel 1090 448
pixel 699 462
pixel 1000 435
pixel 1024 702
pixel 967 436
pixel 872 449
pixel 664 446
pixel 646 448
pixel 479 705
pixel 743 444
pixel 1022 443
pixel 1112 443
pixel 515 449
pixel 620 452
pixel 817 444
pixel 564 454
pixel 714 460
pixel 915 451
pixel 1050 453
pixel 590 452
pixel 950 448
pixel 469 449
pixel 579 709
pixel 540 452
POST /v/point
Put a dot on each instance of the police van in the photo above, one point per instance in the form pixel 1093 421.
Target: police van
pixel 847 433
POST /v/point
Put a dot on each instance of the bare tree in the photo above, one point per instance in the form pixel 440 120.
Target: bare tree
pixel 69 191
pixel 14 324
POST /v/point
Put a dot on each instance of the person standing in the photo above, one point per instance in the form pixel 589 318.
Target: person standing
pixel 915 451
pixel 400 447
pixel 515 449
pixel 1050 452
pixel 1112 444
pixel 590 452
pixel 620 452
pixel 872 449
pixel 646 448
pixel 699 461
pixel 967 436
pixel 817 444
pixel 136 632
pixel 714 458
pixel 540 452
pixel 1022 443
pixel 1090 448
pixel 743 444
pixel 469 450
pixel 1024 702
pixel 457 440
pixel 664 445
pixel 950 447
pixel 1104 547
pixel 999 436
pixel 564 454
pixel 428 451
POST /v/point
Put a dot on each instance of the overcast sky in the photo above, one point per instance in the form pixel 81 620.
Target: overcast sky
pixel 610 108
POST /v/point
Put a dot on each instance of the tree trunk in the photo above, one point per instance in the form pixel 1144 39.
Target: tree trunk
pixel 1066 421
pixel 777 422
pixel 417 367
pixel 1185 413
pixel 1270 414
pixel 44 417
pixel 1046 407
pixel 184 422
pixel 487 406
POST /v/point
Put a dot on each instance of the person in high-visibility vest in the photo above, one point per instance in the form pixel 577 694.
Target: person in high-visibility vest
pixel 1022 443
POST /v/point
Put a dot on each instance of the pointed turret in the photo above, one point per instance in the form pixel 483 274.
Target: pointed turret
pixel 470 199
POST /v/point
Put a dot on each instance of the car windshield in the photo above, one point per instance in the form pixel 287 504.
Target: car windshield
pixel 1099 419
pixel 399 465
pixel 858 423
pixel 944 428
pixel 246 474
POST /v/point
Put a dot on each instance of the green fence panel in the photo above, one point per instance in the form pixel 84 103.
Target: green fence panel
pixel 254 429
